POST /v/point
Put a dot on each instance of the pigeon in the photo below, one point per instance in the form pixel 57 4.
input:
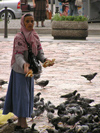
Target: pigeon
pixel 86 100
pixel 82 128
pixel 38 103
pixel 89 76
pixel 62 129
pixel 91 109
pixel 37 97
pixel 64 118
pixel 62 110
pixel 97 106
pixel 96 118
pixel 42 83
pixel 69 94
pixel 86 118
pixel 92 126
pixel 29 130
pixel 83 104
pixel 33 129
pixel 2 105
pixel 61 106
pixel 55 120
pixel 2 98
pixel 2 82
pixel 50 115
pixel 96 130
pixel 49 106
pixel 49 130
pixel 37 76
pixel 72 130
pixel 73 119
pixel 38 111
pixel 10 121
pixel 74 110
pixel 74 97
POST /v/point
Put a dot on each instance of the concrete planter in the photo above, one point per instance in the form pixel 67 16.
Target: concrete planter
pixel 69 29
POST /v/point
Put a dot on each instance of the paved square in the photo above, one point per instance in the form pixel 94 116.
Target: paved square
pixel 72 60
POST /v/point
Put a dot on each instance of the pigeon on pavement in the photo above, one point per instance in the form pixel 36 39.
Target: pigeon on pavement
pixel 49 130
pixel 86 100
pixel 55 120
pixel 50 115
pixel 42 83
pixel 10 121
pixel 89 76
pixel 38 111
pixel 37 76
pixel 69 94
pixel 33 128
pixel 38 103
pixel 2 98
pixel 37 97
pixel 2 82
pixel 2 105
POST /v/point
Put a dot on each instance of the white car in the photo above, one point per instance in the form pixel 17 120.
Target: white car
pixel 13 7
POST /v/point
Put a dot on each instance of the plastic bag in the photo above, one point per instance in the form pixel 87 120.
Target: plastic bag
pixel 4 118
pixel 48 13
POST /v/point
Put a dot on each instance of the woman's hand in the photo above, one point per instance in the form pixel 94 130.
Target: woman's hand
pixel 26 67
pixel 49 62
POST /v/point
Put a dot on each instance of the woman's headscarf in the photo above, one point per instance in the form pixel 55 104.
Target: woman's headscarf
pixel 20 45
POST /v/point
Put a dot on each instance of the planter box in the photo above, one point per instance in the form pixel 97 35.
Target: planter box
pixel 69 29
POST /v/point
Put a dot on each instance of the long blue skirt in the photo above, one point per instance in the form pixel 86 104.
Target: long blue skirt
pixel 20 95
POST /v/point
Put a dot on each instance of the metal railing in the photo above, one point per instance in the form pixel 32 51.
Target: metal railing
pixel 6 20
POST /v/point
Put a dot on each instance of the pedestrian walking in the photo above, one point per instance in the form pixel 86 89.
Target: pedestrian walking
pixel 20 93
pixel 73 9
pixel 40 11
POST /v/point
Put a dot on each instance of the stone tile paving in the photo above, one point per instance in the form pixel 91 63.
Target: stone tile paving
pixel 15 24
pixel 72 60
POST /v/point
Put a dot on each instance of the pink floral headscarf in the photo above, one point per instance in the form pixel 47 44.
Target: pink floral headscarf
pixel 20 45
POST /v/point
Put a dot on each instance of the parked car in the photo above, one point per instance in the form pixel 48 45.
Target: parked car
pixel 13 7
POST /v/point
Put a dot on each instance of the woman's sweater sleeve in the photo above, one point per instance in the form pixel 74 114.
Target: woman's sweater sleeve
pixel 41 56
pixel 20 60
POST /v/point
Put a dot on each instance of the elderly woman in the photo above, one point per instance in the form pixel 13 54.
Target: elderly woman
pixel 20 94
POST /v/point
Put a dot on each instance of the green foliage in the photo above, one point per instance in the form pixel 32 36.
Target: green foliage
pixel 0 19
pixel 57 17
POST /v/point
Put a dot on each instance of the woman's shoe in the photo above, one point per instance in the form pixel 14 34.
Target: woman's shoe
pixel 43 25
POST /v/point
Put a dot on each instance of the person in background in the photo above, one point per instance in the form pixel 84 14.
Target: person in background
pixel 65 8
pixel 73 9
pixel 20 93
pixel 40 11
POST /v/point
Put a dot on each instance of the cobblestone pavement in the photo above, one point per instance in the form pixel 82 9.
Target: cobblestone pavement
pixel 15 24
pixel 72 60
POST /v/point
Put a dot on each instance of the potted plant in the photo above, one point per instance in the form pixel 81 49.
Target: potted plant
pixel 69 27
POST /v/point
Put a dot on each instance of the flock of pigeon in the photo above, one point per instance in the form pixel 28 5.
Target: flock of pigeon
pixel 74 115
